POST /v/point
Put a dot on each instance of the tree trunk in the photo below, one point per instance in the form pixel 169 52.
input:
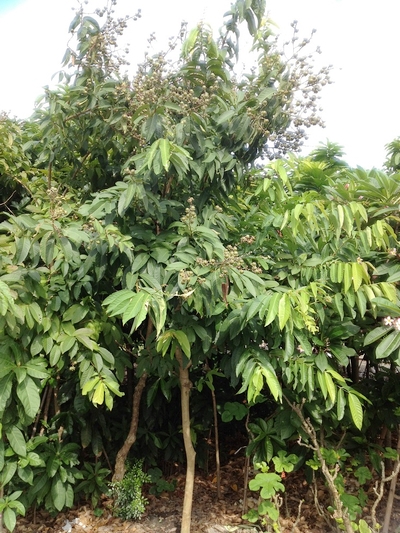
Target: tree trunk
pixel 120 461
pixel 392 489
pixel 187 440
pixel 119 470
pixel 217 459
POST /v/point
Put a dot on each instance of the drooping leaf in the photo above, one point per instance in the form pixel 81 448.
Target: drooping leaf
pixel 388 345
pixel 17 441
pixel 28 394
pixel 355 410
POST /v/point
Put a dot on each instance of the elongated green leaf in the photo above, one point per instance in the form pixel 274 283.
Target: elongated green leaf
pixel 58 493
pixel 165 151
pixel 355 410
pixel 134 305
pixel 23 245
pixel 98 396
pixel 126 198
pixel 10 519
pixel 159 308
pixel 6 388
pixel 117 303
pixel 82 336
pixel 8 472
pixel 17 441
pixel 226 116
pixel 357 272
pixel 75 313
pixel 330 386
pixel 164 342
pixel 340 404
pixel 28 394
pixel 141 314
pixel 322 383
pixel 375 335
pixel 183 341
pixel 386 306
pixel 272 381
pixel 284 310
pixel 347 276
pixel 388 345
pixel 266 93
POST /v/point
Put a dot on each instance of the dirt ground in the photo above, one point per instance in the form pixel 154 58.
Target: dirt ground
pixel 209 515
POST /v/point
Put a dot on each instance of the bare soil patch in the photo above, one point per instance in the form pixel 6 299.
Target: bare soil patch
pixel 209 515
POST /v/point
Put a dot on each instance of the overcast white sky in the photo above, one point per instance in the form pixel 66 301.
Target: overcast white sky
pixel 359 37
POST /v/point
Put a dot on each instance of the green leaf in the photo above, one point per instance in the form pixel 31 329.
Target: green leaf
pixel 355 410
pixel 139 261
pixel 82 336
pixel 269 483
pixel 75 313
pixel 272 381
pixel 58 493
pixel 330 386
pixel 135 305
pixel 22 247
pixel 284 310
pixel 98 396
pixel 9 518
pixel 8 472
pixel 376 334
pixel 340 404
pixel 386 306
pixel 183 341
pixel 363 527
pixel 357 272
pixel 226 116
pixel 17 441
pixel 388 345
pixel 165 151
pixel 126 198
pixel 266 93
pixel 28 394
pixel 322 383
pixel 6 387
pixel 347 277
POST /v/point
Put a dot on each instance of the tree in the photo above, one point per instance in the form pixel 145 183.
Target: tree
pixel 152 240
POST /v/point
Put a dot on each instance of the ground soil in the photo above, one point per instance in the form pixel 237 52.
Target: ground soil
pixel 209 515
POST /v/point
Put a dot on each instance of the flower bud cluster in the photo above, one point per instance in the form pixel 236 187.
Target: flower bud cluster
pixel 190 213
pixel 185 276
pixel 56 209
pixel 248 239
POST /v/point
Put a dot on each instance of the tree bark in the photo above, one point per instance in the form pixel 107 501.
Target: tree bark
pixel 392 489
pixel 120 461
pixel 187 440
pixel 119 470
pixel 216 432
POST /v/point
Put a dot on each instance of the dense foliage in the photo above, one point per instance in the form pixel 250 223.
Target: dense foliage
pixel 147 249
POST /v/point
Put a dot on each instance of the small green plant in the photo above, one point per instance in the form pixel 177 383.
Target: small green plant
pixel 10 506
pixel 159 484
pixel 129 502
pixel 270 486
pixel 93 484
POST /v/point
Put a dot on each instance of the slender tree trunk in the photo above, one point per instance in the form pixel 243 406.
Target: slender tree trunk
pixel 392 489
pixel 329 474
pixel 120 461
pixel 217 459
pixel 119 470
pixel 187 440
